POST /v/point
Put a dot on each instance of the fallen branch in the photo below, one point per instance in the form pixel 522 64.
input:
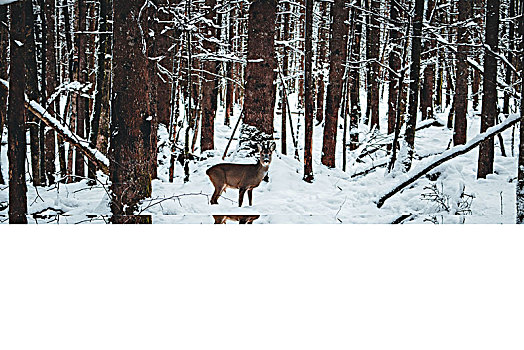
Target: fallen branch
pixel 415 174
pixel 81 144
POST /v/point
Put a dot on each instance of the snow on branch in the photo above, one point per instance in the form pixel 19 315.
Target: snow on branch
pixel 415 174
pixel 81 144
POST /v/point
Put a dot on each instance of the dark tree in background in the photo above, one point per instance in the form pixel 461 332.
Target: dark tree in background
pixel 16 117
pixel 414 75
pixel 259 94
pixel 338 49
pixel 130 149
pixel 4 42
pixel 308 94
pixel 82 107
pixel 489 96
pixel 374 67
pixel 461 99
pixel 209 83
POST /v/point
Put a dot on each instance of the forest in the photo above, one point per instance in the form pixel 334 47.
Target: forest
pixel 339 111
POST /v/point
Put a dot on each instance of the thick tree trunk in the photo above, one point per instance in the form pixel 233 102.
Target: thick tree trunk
pixel 16 117
pixel 209 83
pixel 462 70
pixel 354 81
pixel 411 120
pixel 82 105
pixel 489 98
pixel 50 86
pixel 260 70
pixel 374 52
pixel 4 42
pixel 100 75
pixel 337 60
pixel 32 92
pixel 511 46
pixel 131 130
pixel 308 93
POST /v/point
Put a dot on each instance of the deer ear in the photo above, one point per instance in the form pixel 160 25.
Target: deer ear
pixel 273 146
pixel 259 147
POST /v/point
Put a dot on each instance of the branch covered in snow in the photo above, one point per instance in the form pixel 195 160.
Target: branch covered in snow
pixel 83 145
pixel 415 174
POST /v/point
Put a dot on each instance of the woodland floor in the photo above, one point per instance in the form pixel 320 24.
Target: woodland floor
pixel 334 196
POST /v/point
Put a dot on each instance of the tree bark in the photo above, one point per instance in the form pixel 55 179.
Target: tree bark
pixel 284 85
pixel 16 117
pixel 100 75
pixel 337 60
pixel 374 52
pixel 462 70
pixel 323 39
pixel 4 42
pixel 394 65
pixel 411 122
pixel 32 91
pixel 229 68
pixel 354 82
pixel 308 93
pixel 259 100
pixel 426 98
pixel 50 86
pixel 209 83
pixel 131 130
pixel 82 105
pixel 489 98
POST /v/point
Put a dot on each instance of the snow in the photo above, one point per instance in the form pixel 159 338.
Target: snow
pixel 334 196
pixel 7 2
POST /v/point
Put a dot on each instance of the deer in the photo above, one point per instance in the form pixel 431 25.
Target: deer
pixel 244 177
pixel 242 219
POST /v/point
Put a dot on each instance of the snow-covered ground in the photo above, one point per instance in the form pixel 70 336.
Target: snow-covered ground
pixel 334 196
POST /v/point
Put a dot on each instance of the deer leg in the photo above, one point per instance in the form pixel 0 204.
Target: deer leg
pixel 216 194
pixel 250 196
pixel 241 196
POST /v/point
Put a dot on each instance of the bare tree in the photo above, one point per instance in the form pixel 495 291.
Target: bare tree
pixel 308 93
pixel 130 115
pixel 337 60
pixel 461 99
pixel 16 117
pixel 489 98
pixel 259 98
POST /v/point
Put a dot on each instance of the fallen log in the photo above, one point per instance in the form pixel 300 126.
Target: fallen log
pixel 81 144
pixel 415 174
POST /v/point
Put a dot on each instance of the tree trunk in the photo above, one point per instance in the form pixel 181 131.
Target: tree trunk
pixel 489 98
pixel 32 91
pixel 337 60
pixel 354 82
pixel 374 52
pixel 4 42
pixel 209 83
pixel 394 65
pixel 259 100
pixel 16 117
pixel 462 70
pixel 511 46
pixel 229 69
pixel 426 98
pixel 284 85
pixel 100 75
pixel 82 105
pixel 308 93
pixel 411 120
pixel 50 86
pixel 323 39
pixel 131 130
pixel 520 176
